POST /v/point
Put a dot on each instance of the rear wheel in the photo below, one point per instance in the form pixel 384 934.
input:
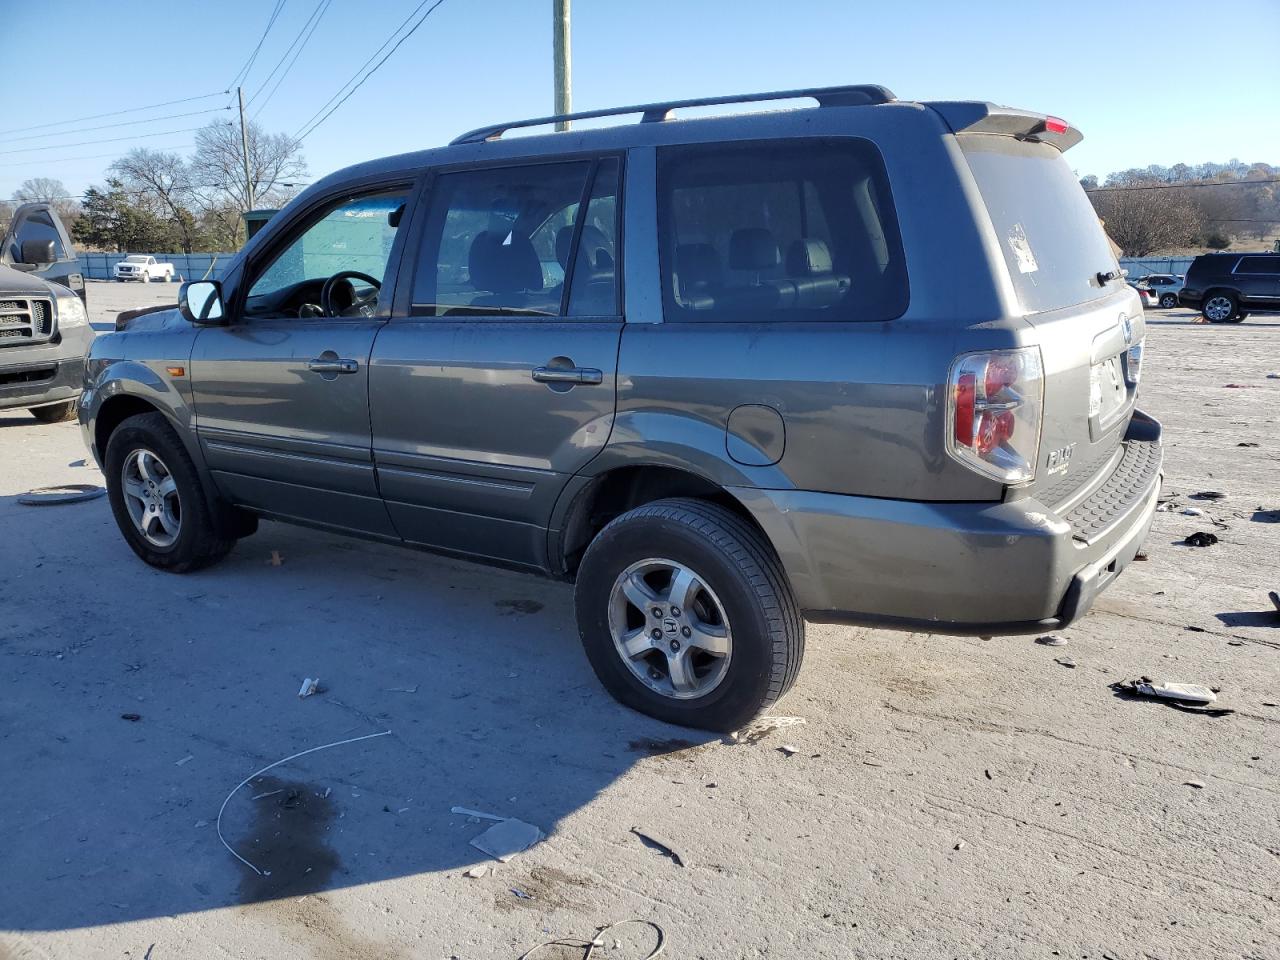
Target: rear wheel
pixel 157 499
pixel 1169 301
pixel 686 615
pixel 55 412
pixel 1219 308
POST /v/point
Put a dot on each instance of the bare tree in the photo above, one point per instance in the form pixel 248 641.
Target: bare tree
pixel 50 191
pixel 217 171
pixel 1145 221
pixel 161 184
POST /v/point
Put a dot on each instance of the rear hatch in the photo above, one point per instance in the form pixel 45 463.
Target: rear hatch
pixel 1087 321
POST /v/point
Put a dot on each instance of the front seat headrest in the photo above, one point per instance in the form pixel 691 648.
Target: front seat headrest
pixel 504 264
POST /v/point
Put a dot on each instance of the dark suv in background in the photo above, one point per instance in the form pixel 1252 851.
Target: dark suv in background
pixel 1227 287
pixel 867 362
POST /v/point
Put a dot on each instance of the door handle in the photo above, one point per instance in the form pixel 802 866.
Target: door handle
pixel 585 375
pixel 327 365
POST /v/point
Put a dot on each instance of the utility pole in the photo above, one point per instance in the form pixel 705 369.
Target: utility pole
pixel 564 59
pixel 244 148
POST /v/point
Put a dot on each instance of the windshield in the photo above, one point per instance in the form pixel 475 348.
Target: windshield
pixel 1052 240
pixel 135 259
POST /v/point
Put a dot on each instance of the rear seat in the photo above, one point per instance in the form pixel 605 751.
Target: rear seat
pixel 809 283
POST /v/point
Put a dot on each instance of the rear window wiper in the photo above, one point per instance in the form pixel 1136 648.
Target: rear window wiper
pixel 1107 277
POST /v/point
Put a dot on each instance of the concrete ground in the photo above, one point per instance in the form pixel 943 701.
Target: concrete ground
pixel 946 798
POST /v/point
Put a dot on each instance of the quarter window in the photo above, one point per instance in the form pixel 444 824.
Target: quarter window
pixel 792 230
pixel 501 241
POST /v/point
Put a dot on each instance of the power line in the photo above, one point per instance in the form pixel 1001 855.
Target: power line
pixel 243 73
pixel 310 126
pixel 312 22
pixel 113 113
pixel 1184 186
pixel 97 156
pixel 85 143
pixel 109 126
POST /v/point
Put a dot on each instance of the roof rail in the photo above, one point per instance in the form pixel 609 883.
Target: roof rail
pixel 854 95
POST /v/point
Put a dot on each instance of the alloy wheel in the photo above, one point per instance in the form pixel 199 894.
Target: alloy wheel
pixel 1218 309
pixel 670 629
pixel 151 497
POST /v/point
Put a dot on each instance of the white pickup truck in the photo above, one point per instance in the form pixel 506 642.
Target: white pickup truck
pixel 138 266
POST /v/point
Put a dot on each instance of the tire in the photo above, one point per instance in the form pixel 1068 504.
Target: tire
pixel 56 412
pixel 1169 301
pixel 146 278
pixel 197 541
pixel 1219 307
pixel 742 602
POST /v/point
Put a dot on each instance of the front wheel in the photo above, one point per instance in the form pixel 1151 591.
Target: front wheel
pixel 1169 301
pixel 1219 308
pixel 55 412
pixel 157 499
pixel 146 278
pixel 686 614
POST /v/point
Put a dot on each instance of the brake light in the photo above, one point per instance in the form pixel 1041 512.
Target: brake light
pixel 1055 125
pixel 995 404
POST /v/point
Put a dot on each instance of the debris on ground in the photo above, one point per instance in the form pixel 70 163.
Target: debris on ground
pixel 1193 783
pixel 478 814
pixel 60 494
pixel 761 727
pixel 1247 443
pixel 788 749
pixel 959 846
pixel 185 760
pixel 413 689
pixel 1065 661
pixel 269 793
pixel 506 838
pixel 131 717
pixel 1201 539
pixel 310 685
pixel 598 941
pixel 521 894
pixel 275 560
pixel 662 846
pixel 1208 495
pixel 1052 640
pixel 1184 692
pixel 1193 512
pixel 271 766
pixel 475 873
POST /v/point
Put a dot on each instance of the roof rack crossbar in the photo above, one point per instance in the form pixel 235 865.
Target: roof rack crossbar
pixel 854 95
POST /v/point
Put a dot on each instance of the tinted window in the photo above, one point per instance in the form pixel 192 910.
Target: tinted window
pixel 594 288
pixel 1050 236
pixel 1259 265
pixel 37 226
pixel 786 230
pixel 355 234
pixel 498 241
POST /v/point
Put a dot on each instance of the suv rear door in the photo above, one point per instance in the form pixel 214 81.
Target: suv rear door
pixel 1057 255
pixel 1258 279
pixel 495 381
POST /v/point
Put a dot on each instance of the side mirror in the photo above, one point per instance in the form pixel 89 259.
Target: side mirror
pixel 200 301
pixel 38 252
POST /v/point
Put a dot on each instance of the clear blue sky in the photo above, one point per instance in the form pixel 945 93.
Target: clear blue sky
pixel 1179 81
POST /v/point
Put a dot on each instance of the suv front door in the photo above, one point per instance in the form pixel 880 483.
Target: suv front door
pixel 282 391
pixel 1258 278
pixel 499 384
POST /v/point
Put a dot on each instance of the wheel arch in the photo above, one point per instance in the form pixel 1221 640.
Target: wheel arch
pixel 589 503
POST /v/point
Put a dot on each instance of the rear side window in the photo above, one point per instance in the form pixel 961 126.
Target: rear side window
pixel 1051 238
pixel 787 230
pixel 505 241
pixel 1259 265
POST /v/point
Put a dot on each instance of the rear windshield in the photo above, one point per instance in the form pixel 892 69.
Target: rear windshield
pixel 1049 233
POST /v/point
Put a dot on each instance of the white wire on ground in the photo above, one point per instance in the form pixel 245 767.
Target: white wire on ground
pixel 272 766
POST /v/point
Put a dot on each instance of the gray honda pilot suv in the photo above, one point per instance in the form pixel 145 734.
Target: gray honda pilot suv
pixel 868 361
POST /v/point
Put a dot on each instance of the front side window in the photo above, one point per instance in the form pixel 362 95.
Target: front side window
pixel 348 244
pixel 38 226
pixel 505 241
pixel 779 231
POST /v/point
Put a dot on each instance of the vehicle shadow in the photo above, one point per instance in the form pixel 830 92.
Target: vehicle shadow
pixel 137 700
pixel 1250 618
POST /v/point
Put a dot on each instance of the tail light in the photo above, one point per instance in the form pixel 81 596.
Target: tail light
pixel 994 408
pixel 1133 363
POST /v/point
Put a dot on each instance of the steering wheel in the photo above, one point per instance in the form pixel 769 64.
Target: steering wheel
pixel 363 305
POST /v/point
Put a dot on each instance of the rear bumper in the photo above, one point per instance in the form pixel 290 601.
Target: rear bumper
pixel 963 568
pixel 35 383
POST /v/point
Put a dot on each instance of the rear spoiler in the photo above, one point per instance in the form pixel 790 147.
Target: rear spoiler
pixel 967 116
